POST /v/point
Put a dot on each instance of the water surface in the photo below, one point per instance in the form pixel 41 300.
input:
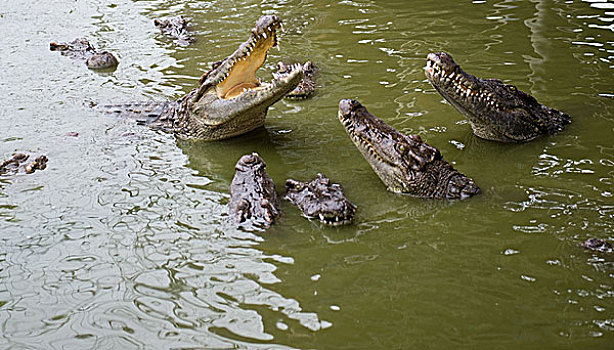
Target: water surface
pixel 124 241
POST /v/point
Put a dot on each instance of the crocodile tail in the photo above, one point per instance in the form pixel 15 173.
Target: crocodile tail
pixel 461 187
pixel 142 112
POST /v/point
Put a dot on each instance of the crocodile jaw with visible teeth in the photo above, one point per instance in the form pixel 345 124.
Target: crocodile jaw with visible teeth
pixel 237 73
pixel 495 110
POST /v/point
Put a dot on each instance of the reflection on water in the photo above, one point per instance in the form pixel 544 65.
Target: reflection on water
pixel 124 240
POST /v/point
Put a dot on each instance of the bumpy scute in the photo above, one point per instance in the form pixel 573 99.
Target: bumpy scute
pixel 321 200
pixel 253 200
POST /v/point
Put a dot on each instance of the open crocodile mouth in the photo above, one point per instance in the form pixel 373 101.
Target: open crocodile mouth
pixel 237 73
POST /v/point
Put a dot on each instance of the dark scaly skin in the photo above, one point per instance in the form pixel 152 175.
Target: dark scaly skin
pixel 496 111
pixel 18 163
pixel 253 200
pixel 230 99
pixel 598 245
pixel 306 87
pixel 321 200
pixel 82 49
pixel 404 163
pixel 175 27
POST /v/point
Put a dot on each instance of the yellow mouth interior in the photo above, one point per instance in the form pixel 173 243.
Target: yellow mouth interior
pixel 243 72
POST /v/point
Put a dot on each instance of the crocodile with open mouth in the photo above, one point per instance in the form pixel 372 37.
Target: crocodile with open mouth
pixel 404 163
pixel 320 199
pixel 230 99
pixel 496 111
pixel 253 200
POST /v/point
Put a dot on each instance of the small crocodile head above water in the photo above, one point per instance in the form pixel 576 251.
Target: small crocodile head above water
pixel 175 27
pixel 321 200
pixel 404 163
pixel 253 200
pixel 496 111
pixel 597 244
pixel 18 163
pixel 231 100
pixel 306 87
pixel 82 49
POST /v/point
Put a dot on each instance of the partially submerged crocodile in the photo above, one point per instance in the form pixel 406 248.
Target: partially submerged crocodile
pixel 253 200
pixel 404 163
pixel 306 87
pixel 598 245
pixel 18 163
pixel 83 50
pixel 175 27
pixel 230 99
pixel 496 111
pixel 321 200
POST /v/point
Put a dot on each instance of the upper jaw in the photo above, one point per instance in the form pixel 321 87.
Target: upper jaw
pixel 238 70
pixel 440 65
pixel 375 139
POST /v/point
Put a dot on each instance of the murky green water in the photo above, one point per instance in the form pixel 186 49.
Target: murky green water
pixel 123 241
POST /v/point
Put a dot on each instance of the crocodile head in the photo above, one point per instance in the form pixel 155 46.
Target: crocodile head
pixel 306 87
pixel 404 163
pixel 321 200
pixel 253 200
pixel 231 99
pixel 82 49
pixel 496 111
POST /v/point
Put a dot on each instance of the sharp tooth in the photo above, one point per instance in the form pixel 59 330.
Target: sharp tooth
pixel 249 53
pixel 321 217
pixel 264 34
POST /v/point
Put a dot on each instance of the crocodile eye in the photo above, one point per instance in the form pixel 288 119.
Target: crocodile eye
pixel 401 148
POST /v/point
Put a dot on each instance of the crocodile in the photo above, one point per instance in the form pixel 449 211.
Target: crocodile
pixel 230 99
pixel 253 200
pixel 598 245
pixel 83 50
pixel 175 27
pixel 495 110
pixel 18 163
pixel 306 87
pixel 404 163
pixel 319 199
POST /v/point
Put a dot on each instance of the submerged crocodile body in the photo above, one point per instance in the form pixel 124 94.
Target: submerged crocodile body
pixel 83 50
pixel 18 163
pixel 230 99
pixel 253 200
pixel 321 200
pixel 404 163
pixel 306 87
pixel 175 27
pixel 496 111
